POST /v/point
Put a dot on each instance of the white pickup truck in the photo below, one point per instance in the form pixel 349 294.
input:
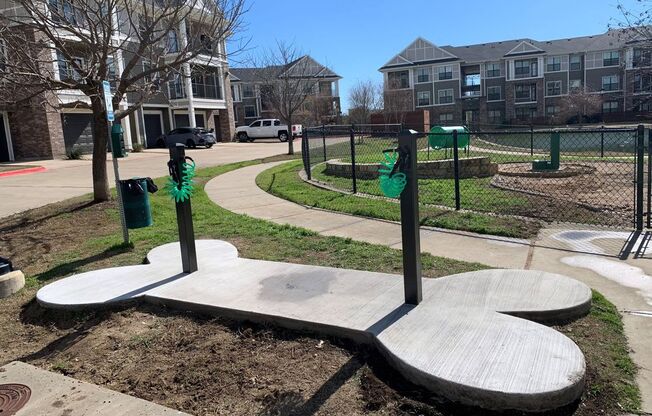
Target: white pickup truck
pixel 269 127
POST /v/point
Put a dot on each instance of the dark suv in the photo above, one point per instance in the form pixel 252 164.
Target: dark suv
pixel 190 136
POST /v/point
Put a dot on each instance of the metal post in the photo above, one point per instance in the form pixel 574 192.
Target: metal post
pixel 602 142
pixel 531 140
pixel 456 170
pixel 323 141
pixel 353 172
pixel 640 158
pixel 184 217
pixel 116 173
pixel 410 220
pixel 649 178
pixel 304 138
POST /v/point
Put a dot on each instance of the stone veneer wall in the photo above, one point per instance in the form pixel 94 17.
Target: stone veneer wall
pixel 473 167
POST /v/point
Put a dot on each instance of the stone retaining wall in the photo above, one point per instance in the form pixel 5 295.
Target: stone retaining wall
pixel 473 167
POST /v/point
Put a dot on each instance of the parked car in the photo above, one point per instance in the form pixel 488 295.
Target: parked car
pixel 259 129
pixel 190 136
pixel 297 130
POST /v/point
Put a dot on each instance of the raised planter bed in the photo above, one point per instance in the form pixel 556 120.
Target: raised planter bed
pixel 472 167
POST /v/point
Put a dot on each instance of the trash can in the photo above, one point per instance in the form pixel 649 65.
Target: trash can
pixel 135 199
pixel 5 266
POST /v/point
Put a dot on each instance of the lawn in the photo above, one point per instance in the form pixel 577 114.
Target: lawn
pixel 206 365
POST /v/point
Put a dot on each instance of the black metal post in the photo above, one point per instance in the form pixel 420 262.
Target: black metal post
pixel 456 170
pixel 323 141
pixel 602 142
pixel 304 138
pixel 353 172
pixel 640 159
pixel 184 217
pixel 649 178
pixel 531 140
pixel 410 220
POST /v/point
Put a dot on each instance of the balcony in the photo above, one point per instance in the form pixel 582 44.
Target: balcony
pixel 177 91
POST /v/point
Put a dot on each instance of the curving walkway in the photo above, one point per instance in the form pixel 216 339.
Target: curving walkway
pixel 628 284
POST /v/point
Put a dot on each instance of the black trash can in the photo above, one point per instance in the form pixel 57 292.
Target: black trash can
pixel 135 200
pixel 5 266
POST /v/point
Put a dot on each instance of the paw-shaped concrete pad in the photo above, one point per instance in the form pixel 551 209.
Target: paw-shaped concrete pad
pixel 472 339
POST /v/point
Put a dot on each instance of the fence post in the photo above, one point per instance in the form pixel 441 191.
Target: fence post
pixel 649 178
pixel 531 140
pixel 323 141
pixel 456 170
pixel 410 220
pixel 184 216
pixel 353 172
pixel 304 138
pixel 640 159
pixel 602 142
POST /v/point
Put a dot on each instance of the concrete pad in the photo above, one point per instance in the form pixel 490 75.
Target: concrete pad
pixel 11 283
pixel 474 338
pixel 273 211
pixel 322 222
pixel 370 231
pixel 55 394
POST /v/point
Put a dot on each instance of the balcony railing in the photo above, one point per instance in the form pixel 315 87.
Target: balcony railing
pixel 212 92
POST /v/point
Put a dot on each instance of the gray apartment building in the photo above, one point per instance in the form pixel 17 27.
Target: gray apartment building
pixel 54 122
pixel 525 81
pixel 322 104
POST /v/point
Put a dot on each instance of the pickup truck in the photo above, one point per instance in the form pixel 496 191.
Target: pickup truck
pixel 269 127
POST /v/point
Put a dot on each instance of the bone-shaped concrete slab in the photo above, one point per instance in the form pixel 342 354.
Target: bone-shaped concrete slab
pixel 472 339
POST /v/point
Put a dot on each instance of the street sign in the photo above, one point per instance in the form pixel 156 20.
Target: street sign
pixel 108 101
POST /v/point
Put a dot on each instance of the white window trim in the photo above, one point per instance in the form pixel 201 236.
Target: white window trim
pixel 603 91
pixel 416 77
pixel 545 64
pixel 499 69
pixel 501 94
pixel 561 85
pixel 245 111
pixel 451 71
pixel 429 99
pixel 452 96
pixel 620 59
pixel 447 114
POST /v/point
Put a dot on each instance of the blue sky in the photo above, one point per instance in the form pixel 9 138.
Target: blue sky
pixel 356 37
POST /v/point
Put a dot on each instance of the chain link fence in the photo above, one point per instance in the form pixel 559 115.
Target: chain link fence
pixel 585 176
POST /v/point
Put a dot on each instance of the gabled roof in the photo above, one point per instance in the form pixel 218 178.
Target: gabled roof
pixel 524 48
pixel 302 67
pixel 420 51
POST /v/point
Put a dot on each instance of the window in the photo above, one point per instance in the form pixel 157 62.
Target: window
pixel 642 105
pixel 553 88
pixel 610 106
pixel 445 96
pixel 493 70
pixel 575 63
pixel 423 74
pixel 470 116
pixel 642 57
pixel 642 83
pixel 553 64
pixel 611 58
pixel 610 83
pixel 3 56
pixel 399 79
pixel 552 110
pixel 267 123
pixel 525 113
pixel 248 91
pixel 524 93
pixel 575 84
pixel 494 93
pixel 423 98
pixel 255 124
pixel 63 10
pixel 495 116
pixel 172 43
pixel 471 86
pixel 67 71
pixel 250 111
pixel 277 122
pixel 446 117
pixel 525 68
pixel 445 72
pixel 150 78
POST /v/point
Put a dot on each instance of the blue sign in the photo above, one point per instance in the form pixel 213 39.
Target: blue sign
pixel 108 101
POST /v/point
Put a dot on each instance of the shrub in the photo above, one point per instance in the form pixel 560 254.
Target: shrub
pixel 137 148
pixel 75 153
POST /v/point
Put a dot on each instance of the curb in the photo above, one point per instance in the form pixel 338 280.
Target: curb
pixel 22 171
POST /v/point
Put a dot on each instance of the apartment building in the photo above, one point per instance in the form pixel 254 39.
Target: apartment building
pixel 322 104
pixel 54 122
pixel 524 81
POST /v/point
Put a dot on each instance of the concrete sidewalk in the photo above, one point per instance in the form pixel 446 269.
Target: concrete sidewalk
pixel 65 179
pixel 628 284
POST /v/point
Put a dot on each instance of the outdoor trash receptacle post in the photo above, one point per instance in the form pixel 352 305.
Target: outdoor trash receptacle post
pixel 135 197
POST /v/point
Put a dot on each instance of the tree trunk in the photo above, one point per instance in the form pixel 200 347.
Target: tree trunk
pixel 290 137
pixel 100 137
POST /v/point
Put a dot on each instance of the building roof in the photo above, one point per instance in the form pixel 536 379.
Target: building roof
pixel 302 67
pixel 422 51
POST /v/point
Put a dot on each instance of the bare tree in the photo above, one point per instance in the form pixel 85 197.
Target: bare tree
pixel 135 44
pixel 287 78
pixel 580 104
pixel 319 110
pixel 365 97
pixel 397 102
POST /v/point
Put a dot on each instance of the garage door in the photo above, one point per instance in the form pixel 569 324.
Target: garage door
pixel 152 128
pixel 78 131
pixel 4 145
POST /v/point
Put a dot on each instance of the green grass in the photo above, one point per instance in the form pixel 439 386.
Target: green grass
pixel 284 182
pixel 254 238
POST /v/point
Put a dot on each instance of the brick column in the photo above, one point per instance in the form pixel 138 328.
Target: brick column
pixel 227 121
